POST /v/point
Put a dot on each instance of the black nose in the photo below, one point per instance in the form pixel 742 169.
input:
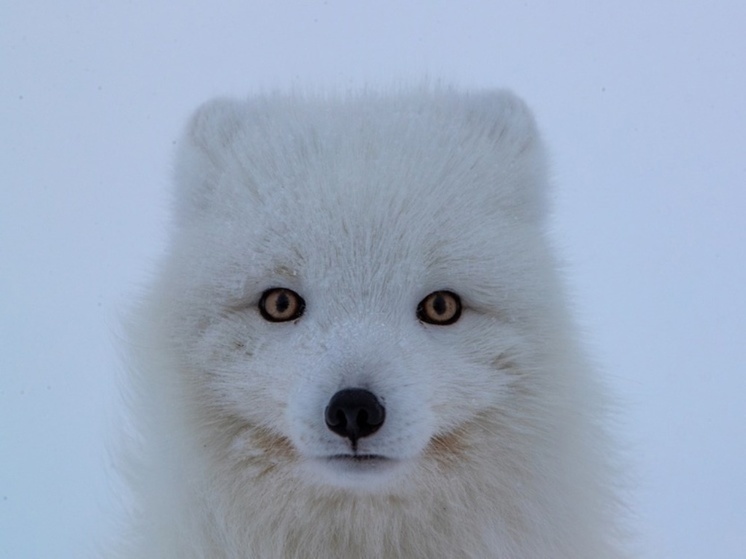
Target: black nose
pixel 354 413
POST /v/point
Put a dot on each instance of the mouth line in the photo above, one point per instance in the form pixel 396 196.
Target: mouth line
pixel 358 457
pixel 356 471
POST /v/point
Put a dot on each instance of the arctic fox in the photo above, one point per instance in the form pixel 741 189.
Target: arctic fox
pixel 357 344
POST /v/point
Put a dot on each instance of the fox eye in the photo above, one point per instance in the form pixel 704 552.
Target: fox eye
pixel 281 305
pixel 440 307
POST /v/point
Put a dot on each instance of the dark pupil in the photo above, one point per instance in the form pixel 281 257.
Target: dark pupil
pixel 439 305
pixel 282 303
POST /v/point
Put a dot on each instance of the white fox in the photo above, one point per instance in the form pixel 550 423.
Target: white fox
pixel 357 345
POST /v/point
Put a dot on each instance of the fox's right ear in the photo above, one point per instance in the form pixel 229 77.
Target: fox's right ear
pixel 201 157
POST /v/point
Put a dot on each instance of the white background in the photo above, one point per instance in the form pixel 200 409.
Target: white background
pixel 641 103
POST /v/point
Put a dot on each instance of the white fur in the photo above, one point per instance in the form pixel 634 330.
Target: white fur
pixel 364 205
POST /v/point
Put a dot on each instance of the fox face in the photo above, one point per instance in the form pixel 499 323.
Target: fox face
pixel 349 304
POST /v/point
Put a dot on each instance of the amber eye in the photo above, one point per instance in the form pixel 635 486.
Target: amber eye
pixel 280 305
pixel 440 307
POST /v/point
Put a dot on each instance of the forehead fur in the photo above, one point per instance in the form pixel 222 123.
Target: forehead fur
pixel 432 150
pixel 373 190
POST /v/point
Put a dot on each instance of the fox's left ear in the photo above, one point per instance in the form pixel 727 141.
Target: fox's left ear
pixel 201 156
pixel 517 151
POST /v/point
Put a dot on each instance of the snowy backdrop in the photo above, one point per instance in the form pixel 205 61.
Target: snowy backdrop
pixel 642 104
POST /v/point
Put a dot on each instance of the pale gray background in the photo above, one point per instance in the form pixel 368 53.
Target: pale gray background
pixel 641 103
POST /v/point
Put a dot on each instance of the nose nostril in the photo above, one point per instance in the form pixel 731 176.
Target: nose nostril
pixel 337 420
pixel 354 413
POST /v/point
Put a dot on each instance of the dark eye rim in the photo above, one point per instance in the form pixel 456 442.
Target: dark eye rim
pixel 423 317
pixel 299 301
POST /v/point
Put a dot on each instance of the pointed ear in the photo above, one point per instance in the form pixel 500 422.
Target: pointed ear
pixel 506 117
pixel 201 156
pixel 518 151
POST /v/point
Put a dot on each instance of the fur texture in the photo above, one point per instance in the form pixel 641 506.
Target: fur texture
pixel 491 445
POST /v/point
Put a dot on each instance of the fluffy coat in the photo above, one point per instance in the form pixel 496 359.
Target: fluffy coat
pixel 493 443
